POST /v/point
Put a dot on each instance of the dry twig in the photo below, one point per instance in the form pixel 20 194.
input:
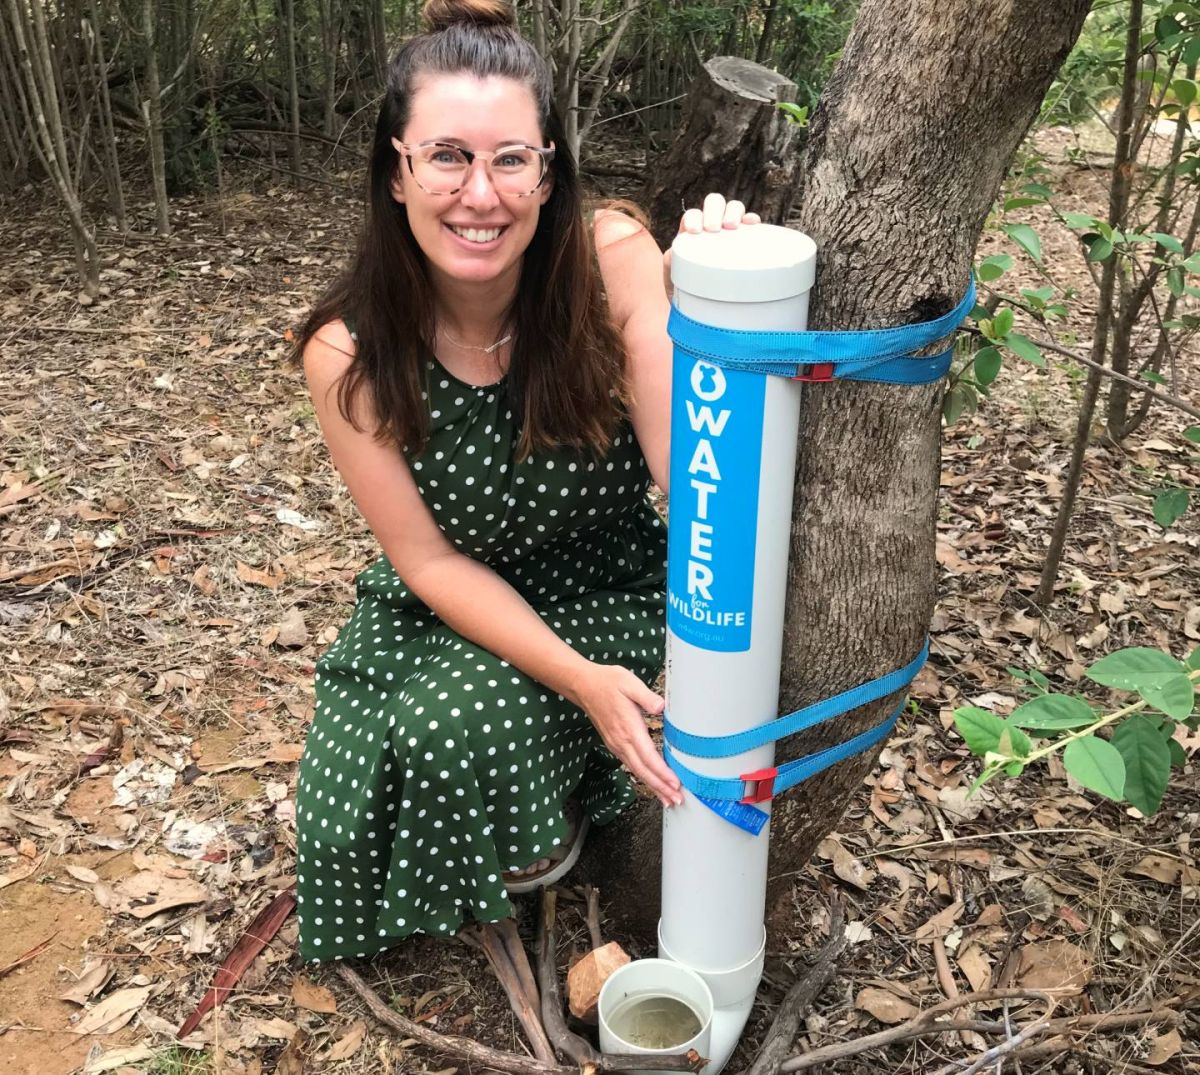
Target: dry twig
pixel 564 1041
pixel 799 998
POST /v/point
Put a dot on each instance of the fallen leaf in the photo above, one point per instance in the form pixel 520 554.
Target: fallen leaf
pixel 293 633
pixel 940 923
pixel 845 865
pixel 976 966
pixel 91 980
pixel 113 1012
pixel 315 998
pixel 275 1028
pixel 149 892
pixel 270 579
pixel 348 1044
pixel 1164 1046
pixel 123 1057
pixel 1054 964
pixel 25 957
pixel 291 1060
pixel 18 873
pixel 82 873
pixel 884 1006
pixel 1157 868
pixel 858 932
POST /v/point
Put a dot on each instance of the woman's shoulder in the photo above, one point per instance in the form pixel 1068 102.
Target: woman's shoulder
pixel 611 224
pixel 330 350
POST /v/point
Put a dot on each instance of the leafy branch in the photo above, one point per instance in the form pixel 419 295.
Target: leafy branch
pixel 1133 765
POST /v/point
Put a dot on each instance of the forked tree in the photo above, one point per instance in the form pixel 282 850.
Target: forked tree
pixel 906 153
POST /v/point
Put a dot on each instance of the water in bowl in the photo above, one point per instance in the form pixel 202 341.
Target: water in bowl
pixel 654 1021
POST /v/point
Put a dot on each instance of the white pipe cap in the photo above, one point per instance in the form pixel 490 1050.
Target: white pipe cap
pixel 751 263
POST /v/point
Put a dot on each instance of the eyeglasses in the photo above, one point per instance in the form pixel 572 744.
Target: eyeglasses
pixel 443 167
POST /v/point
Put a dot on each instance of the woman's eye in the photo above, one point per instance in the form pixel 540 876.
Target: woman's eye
pixel 446 156
pixel 515 159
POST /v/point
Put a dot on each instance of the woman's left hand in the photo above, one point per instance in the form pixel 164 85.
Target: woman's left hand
pixel 717 215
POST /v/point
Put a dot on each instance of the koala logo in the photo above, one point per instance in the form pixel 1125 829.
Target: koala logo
pixel 708 382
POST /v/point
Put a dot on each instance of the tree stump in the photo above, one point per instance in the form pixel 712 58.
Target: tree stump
pixel 734 141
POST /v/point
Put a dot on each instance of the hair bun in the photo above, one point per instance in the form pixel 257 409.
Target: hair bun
pixel 441 14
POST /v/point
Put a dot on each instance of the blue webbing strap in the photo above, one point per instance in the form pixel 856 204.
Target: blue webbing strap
pixel 724 746
pixel 884 354
pixel 724 796
pixel 727 796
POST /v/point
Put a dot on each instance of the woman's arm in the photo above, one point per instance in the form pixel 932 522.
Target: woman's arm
pixel 632 268
pixel 465 594
pixel 636 276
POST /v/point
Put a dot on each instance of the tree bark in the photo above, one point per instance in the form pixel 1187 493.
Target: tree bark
pixel 906 153
pixel 153 117
pixel 734 140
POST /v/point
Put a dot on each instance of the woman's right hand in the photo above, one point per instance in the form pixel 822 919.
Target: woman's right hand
pixel 615 701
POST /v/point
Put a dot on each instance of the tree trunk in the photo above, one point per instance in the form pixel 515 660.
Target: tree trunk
pixel 733 140
pixel 906 153
pixel 108 136
pixel 289 56
pixel 152 115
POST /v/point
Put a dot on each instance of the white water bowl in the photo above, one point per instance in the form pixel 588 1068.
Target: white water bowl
pixel 645 978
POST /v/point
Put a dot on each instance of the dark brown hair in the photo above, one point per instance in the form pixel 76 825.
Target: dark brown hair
pixel 567 382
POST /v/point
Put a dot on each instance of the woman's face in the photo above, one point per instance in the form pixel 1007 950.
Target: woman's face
pixel 482 115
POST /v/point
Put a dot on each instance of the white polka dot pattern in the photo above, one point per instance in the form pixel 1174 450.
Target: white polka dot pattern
pixel 432 767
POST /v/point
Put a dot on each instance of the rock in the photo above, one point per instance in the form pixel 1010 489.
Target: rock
pixel 585 979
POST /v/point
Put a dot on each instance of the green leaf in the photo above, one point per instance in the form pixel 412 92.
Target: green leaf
pixel 994 267
pixel 1175 282
pixel 1079 220
pixel 987 366
pixel 1179 756
pixel 1185 93
pixel 1192 433
pixel 1021 202
pixel 1169 505
pixel 1098 248
pixel 1147 761
pixel 1153 377
pixel 1053 712
pixel 959 400
pixel 1160 679
pixel 980 729
pixel 1026 238
pixel 1168 241
pixel 1039 189
pixel 1192 263
pixel 1192 664
pixel 1024 347
pixel 797 114
pixel 1002 323
pixel 1040 295
pixel 1097 765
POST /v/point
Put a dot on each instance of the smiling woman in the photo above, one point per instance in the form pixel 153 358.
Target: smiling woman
pixel 473 373
pixel 493 386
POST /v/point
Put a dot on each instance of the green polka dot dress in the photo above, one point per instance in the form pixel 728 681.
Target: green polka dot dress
pixel 432 766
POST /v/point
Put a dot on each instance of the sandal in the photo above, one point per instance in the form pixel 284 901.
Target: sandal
pixel 562 857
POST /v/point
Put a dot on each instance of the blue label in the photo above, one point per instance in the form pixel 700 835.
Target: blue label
pixel 716 448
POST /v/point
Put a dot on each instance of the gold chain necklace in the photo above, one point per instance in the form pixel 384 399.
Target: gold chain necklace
pixel 475 347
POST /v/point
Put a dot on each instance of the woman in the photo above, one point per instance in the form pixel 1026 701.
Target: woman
pixel 495 395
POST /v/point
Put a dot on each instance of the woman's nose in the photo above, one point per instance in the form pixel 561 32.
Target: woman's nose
pixel 478 191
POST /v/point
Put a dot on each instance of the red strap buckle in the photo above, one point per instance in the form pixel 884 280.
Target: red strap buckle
pixel 760 785
pixel 816 373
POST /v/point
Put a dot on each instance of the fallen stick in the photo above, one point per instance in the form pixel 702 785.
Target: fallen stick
pixel 564 1041
pixel 996 1052
pixel 257 936
pixel 472 1052
pixel 922 1025
pixel 926 1024
pixel 489 937
pixel 799 998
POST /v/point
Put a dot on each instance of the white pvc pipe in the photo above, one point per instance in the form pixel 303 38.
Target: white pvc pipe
pixel 732 469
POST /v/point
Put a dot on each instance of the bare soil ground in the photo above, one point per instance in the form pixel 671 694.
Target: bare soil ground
pixel 175 551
